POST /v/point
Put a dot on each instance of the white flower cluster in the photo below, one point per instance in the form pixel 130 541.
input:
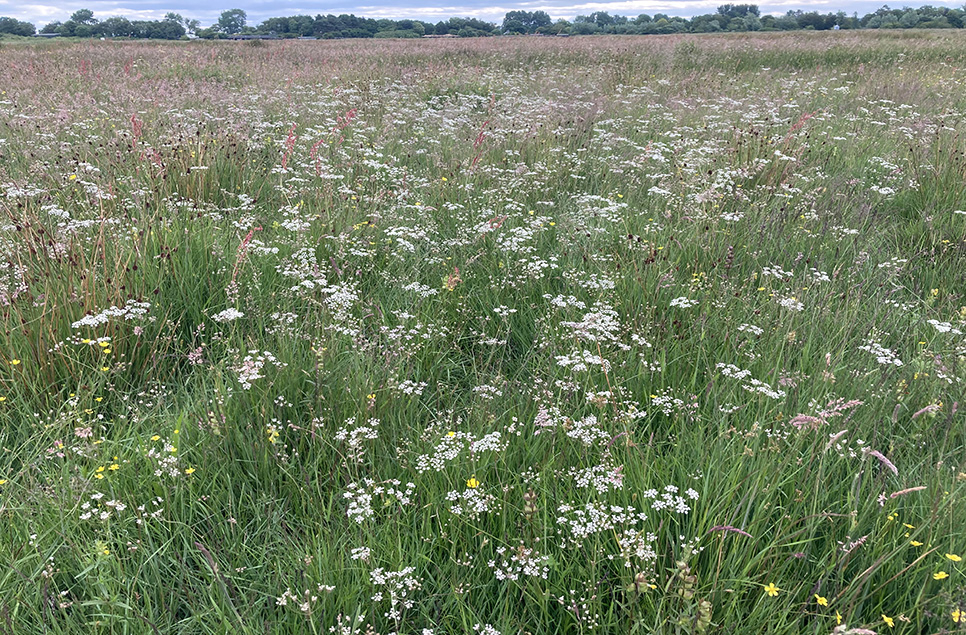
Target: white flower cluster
pixel 669 499
pixel 944 327
pixel 471 502
pixel 752 384
pixel 751 328
pixel 884 356
pixel 602 478
pixel 250 367
pixel 600 325
pixel 228 315
pixel 354 436
pixel 410 387
pixel 399 587
pixel 521 561
pixel 98 509
pixel 683 303
pixel 165 460
pixel 638 544
pixel 452 444
pixel 578 523
pixel 579 362
pixel 775 272
pixel 791 303
pixel 132 310
pixel 360 496
pixel 304 603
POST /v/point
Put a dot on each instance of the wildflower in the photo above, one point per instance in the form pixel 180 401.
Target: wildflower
pixel 190 470
pixel 3 481
pixel 14 362
pixel 472 483
pixel 771 589
pixel 953 557
pixel 941 575
pixel 915 543
pixel 958 616
pixel 822 601
pixel 838 618
pixel 889 621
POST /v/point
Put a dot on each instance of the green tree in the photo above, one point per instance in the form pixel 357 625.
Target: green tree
pixel 83 16
pixel 115 27
pixel 531 21
pixel 16 27
pixel 232 21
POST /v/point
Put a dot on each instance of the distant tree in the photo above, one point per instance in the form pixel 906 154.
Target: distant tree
pixel 909 19
pixel 232 21
pixel 514 27
pixel 16 27
pixel 52 27
pixel 531 21
pixel 738 10
pixel 83 16
pixel 115 27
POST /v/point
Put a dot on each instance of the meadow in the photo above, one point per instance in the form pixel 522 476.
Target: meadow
pixel 497 336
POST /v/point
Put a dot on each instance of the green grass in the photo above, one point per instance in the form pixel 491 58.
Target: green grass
pixel 494 301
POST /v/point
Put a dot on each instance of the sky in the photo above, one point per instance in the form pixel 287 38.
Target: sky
pixel 41 13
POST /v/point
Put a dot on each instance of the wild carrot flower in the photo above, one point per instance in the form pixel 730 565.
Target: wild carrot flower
pixel 771 589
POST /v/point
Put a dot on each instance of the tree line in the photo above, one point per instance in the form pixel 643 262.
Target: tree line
pixel 728 17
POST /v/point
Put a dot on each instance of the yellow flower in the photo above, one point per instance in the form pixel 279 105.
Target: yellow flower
pixel 838 618
pixel 451 434
pixel 942 575
pixel 953 557
pixel 14 362
pixel 822 601
pixel 958 616
pixel 472 483
pixel 771 589
pixel 190 470
pixel 113 466
pixel 889 621
pixel 3 481
pixel 915 543
pixel 155 438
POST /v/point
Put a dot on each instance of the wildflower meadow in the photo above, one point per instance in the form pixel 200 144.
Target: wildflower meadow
pixel 487 336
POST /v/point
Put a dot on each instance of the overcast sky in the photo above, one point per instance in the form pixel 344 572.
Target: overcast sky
pixel 41 13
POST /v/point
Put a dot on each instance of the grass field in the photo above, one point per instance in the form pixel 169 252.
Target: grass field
pixel 514 335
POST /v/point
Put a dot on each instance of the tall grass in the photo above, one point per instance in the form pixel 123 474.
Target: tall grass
pixel 530 336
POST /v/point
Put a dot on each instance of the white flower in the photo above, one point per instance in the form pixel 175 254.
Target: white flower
pixel 227 315
pixel 683 303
